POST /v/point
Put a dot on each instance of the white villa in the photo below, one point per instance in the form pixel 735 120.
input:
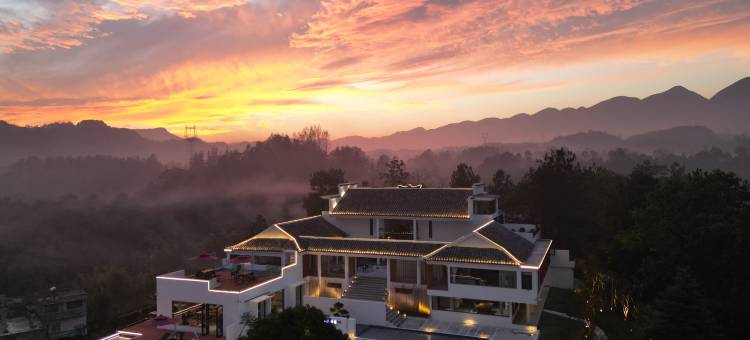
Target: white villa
pixel 388 254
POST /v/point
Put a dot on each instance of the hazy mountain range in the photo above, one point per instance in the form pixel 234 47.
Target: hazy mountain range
pixel 727 112
pixel 677 120
pixel 93 137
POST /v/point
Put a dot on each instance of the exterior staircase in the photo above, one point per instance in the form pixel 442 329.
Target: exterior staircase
pixel 366 288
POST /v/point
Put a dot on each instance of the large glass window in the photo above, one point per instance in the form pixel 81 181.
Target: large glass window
pixel 404 271
pixel 332 266
pixel 188 314
pixel 277 301
pixel 471 306
pixel 309 265
pixel 526 280
pixel 398 229
pixel 473 276
pixel 507 279
pixel 485 207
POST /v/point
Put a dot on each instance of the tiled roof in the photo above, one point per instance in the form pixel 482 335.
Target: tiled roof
pixel 471 255
pixel 518 246
pixel 407 202
pixel 265 244
pixel 368 246
pixel 311 226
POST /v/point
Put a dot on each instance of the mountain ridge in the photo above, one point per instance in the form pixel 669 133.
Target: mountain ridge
pixel 728 111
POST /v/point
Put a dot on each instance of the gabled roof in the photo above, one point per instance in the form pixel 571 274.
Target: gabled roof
pixel 516 245
pixel 367 246
pixel 471 255
pixel 265 244
pixel 406 202
pixel 311 226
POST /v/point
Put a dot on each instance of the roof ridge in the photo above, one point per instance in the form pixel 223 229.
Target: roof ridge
pixel 498 246
pixel 371 239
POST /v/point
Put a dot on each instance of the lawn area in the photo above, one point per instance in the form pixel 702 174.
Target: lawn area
pixel 553 327
pixel 565 301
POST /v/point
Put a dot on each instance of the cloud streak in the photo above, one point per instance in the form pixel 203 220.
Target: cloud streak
pixel 229 64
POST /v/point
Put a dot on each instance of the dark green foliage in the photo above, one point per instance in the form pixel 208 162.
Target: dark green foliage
pixel 303 322
pixel 463 177
pixel 324 182
pixel 395 173
pixel 338 310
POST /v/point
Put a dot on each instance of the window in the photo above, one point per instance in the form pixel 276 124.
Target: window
pixel 309 265
pixel 277 301
pixel 476 277
pixel 471 306
pixel 332 266
pixel 298 292
pixel 398 229
pixel 526 280
pixel 485 207
pixel 188 314
pixel 441 303
pixel 507 279
pixel 404 291
pixel 372 232
pixel 429 229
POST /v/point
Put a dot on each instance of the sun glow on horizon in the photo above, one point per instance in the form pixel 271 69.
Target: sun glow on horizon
pixel 240 70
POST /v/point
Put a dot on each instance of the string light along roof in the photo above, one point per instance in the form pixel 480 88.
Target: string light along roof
pixel 265 244
pixel 405 202
pixel 471 255
pixel 368 246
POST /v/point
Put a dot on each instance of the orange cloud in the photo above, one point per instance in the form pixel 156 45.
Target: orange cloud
pixel 263 65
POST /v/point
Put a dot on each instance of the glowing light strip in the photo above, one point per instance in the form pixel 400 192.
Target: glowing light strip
pixel 549 245
pixel 290 237
pixel 208 282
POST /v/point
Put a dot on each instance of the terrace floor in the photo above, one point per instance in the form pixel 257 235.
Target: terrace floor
pixel 150 331
pixel 227 283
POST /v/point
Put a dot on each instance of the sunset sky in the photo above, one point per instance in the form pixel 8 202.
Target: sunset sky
pixel 242 69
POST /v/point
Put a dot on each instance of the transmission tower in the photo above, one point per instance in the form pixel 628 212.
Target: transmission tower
pixel 191 135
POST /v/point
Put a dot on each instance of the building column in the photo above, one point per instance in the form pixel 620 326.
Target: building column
pixel 320 280
pixel 419 272
pixel 414 230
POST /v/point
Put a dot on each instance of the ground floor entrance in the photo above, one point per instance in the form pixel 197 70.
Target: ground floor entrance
pixel 370 266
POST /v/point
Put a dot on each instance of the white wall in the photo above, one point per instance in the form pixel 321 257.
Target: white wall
pixel 366 312
pixel 469 318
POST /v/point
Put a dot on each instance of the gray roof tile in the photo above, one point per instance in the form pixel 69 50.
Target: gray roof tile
pixel 518 246
pixel 407 202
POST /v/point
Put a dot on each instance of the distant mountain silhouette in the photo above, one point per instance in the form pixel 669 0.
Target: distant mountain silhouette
pixel 156 134
pixel 90 137
pixel 726 112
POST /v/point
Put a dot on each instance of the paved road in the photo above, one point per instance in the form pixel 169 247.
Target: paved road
pixel 377 333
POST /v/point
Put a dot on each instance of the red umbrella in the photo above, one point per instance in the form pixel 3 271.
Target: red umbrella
pixel 205 257
pixel 241 259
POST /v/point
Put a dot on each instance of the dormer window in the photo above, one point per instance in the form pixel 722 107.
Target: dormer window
pixel 485 207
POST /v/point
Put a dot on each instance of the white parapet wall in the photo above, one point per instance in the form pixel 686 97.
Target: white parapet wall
pixel 366 312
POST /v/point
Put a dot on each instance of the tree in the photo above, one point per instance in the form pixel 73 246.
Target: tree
pixel 352 160
pixel 302 322
pixel 395 173
pixel 314 134
pixel 463 176
pixel 323 182
pixel 683 312
pixel 338 310
pixel 501 185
